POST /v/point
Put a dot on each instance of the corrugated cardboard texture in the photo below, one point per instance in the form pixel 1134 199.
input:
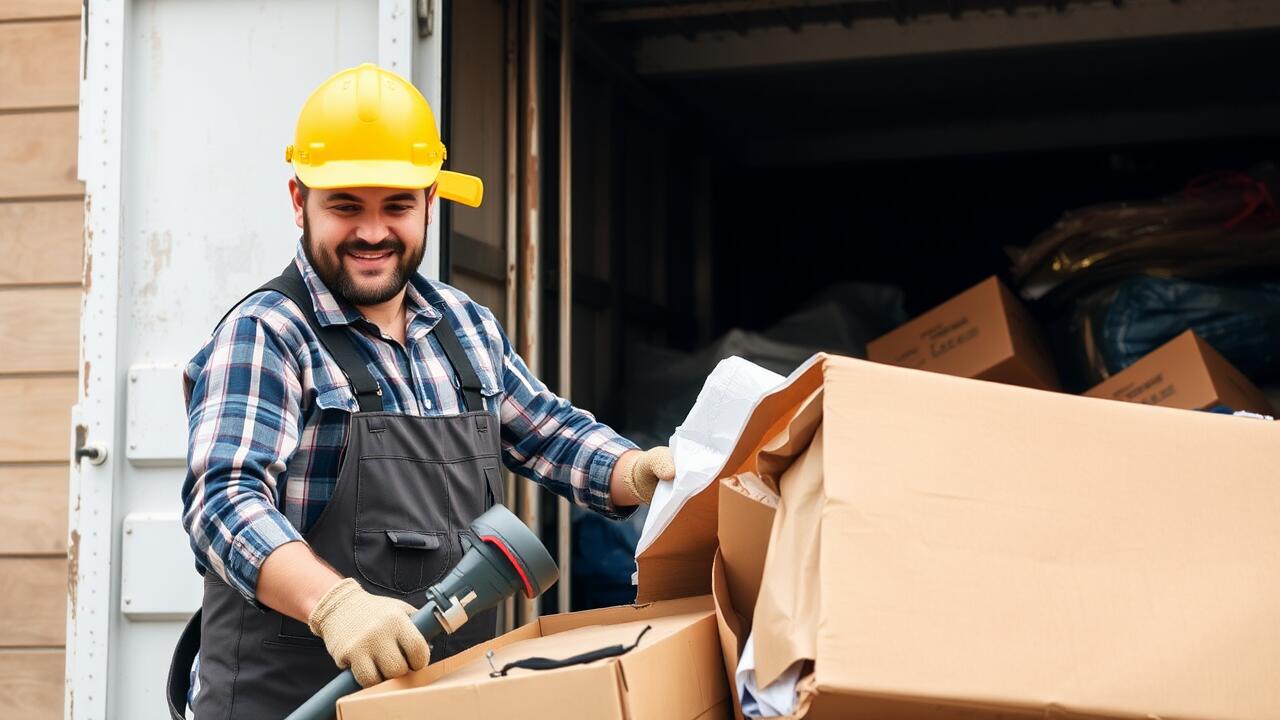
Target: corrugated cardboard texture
pixel 787 610
pixel 1010 551
pixel 683 677
pixel 982 333
pixel 745 523
pixel 1186 373
pixel 676 672
pixel 731 627
pixel 744 527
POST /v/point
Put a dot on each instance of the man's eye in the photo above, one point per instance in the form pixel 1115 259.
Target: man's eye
pixel 398 208
pixel 347 208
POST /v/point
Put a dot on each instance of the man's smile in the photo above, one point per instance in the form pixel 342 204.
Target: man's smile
pixel 371 259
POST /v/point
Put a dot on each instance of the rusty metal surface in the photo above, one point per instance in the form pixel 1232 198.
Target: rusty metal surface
pixel 512 199
pixel 530 288
pixel 565 354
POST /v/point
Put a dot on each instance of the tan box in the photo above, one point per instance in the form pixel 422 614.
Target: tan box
pixel 675 672
pixel 982 333
pixel 1009 553
pixel 1186 373
pixel 745 519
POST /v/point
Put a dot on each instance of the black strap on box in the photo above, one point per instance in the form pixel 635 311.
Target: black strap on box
pixel 541 663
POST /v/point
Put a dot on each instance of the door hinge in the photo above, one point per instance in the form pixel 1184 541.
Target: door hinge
pixel 426 18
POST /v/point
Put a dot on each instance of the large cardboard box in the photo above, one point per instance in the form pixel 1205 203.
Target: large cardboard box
pixel 675 672
pixel 945 548
pixel 982 333
pixel 1186 373
pixel 745 519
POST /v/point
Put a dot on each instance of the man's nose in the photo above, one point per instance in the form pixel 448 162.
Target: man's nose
pixel 373 230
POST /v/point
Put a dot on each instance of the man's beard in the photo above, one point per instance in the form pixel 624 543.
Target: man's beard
pixel 340 282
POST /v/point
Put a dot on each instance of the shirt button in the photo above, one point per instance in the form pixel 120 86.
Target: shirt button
pixel 428 404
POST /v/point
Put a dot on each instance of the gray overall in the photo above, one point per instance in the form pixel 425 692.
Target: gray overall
pixel 407 490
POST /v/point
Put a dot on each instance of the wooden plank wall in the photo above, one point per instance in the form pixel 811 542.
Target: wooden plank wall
pixel 41 243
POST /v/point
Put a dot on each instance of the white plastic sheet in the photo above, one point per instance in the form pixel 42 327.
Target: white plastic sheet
pixel 704 440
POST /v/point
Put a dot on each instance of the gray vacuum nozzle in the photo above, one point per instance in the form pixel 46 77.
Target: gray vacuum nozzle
pixel 507 558
pixel 528 556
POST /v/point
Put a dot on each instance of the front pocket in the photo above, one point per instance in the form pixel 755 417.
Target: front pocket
pixel 294 634
pixel 386 560
pixel 417 555
pixel 401 523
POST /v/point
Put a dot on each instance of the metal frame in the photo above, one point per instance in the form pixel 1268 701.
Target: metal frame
pixel 712 9
pixel 511 80
pixel 881 37
pixel 563 517
pixel 445 217
pixel 92 577
pixel 397 33
pixel 425 56
pixel 93 678
pixel 695 16
pixel 530 287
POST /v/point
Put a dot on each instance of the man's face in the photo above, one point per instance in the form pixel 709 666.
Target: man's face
pixel 363 242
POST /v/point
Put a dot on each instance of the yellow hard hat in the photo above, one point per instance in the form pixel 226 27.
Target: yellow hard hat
pixel 367 126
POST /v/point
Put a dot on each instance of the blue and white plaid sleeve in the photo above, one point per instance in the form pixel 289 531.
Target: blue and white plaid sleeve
pixel 244 421
pixel 548 440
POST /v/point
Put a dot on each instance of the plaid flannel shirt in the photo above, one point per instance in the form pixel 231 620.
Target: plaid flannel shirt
pixel 268 408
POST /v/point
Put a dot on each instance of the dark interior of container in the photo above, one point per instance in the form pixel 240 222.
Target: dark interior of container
pixel 730 201
pixel 935 224
pixel 916 172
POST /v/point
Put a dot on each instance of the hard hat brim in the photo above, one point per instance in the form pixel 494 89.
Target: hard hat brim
pixel 465 189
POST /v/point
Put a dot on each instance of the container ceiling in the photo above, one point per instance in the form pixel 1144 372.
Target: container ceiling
pixel 689 17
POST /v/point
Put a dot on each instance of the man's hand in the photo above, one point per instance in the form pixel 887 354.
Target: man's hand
pixel 639 472
pixel 369 633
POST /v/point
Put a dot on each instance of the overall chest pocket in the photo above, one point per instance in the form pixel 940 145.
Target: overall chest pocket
pixel 404 523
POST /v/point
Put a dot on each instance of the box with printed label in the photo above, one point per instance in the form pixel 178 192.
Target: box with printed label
pixel 982 333
pixel 1186 373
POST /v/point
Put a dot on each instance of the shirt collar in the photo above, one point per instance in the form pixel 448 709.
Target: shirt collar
pixel 333 310
pixel 420 309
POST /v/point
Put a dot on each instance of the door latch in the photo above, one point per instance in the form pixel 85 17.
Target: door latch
pixel 95 453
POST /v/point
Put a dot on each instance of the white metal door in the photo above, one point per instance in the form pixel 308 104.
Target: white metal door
pixel 186 108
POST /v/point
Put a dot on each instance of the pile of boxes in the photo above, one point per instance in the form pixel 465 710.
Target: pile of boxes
pixel 901 543
pixel 985 333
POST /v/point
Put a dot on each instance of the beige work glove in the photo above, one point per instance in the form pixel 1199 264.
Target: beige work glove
pixel 369 633
pixel 646 469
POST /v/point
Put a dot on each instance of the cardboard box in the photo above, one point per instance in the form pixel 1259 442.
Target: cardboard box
pixel 982 333
pixel 1009 553
pixel 1186 373
pixel 745 521
pixel 676 672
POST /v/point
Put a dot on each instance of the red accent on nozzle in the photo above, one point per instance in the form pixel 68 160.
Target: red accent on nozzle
pixel 528 587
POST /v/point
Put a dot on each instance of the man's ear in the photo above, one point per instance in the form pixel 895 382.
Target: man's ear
pixel 299 202
pixel 431 199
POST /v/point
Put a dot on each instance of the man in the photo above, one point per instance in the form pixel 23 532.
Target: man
pixel 345 421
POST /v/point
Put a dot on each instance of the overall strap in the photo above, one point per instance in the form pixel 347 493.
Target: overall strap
pixel 468 378
pixel 335 338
